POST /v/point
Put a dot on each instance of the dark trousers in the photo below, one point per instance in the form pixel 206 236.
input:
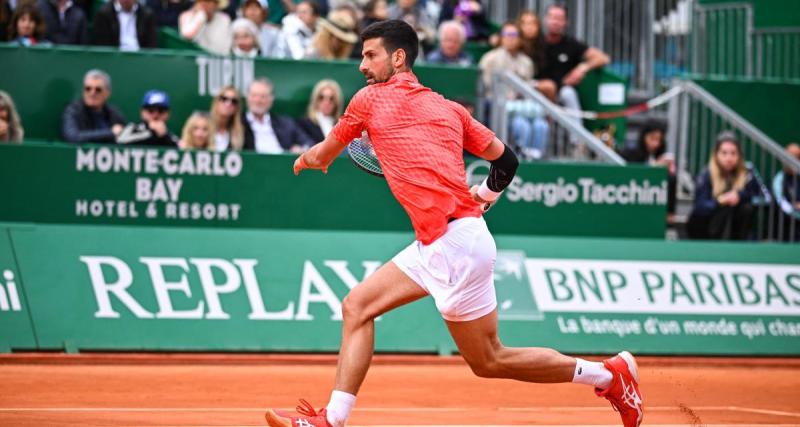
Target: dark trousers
pixel 725 223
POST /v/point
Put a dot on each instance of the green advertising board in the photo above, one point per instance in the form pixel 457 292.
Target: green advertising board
pixel 140 186
pixel 135 288
pixel 15 321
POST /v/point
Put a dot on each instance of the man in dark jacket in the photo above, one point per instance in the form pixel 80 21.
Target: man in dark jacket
pixel 269 133
pixel 125 24
pixel 91 119
pixel 152 130
pixel 65 22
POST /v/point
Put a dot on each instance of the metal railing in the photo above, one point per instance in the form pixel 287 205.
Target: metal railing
pixel 566 139
pixel 698 117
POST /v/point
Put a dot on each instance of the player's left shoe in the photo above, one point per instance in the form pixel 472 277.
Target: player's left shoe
pixel 308 417
pixel 623 393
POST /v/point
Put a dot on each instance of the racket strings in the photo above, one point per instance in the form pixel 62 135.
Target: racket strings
pixel 363 155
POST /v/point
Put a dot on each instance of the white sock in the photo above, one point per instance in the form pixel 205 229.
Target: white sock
pixel 339 408
pixel 592 373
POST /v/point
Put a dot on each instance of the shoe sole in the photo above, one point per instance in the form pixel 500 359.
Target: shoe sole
pixel 631 362
pixel 275 420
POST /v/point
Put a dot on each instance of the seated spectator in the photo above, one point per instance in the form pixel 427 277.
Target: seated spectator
pixel 374 11
pixel 271 41
pixel 335 36
pixel 197 134
pixel 152 130
pixel 786 186
pixel 168 11
pixel 471 14
pixel 567 60
pixel 10 126
pixel 206 26
pixel 451 46
pixel 268 133
pixel 723 194
pixel 245 38
pixel 91 118
pixel 125 24
pixel 651 149
pixel 533 46
pixel 299 27
pixel 528 126
pixel 324 109
pixel 65 22
pixel 226 120
pixel 416 15
pixel 27 27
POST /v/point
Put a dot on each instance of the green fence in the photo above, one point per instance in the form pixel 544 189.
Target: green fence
pixel 129 288
pixel 139 186
pixel 42 81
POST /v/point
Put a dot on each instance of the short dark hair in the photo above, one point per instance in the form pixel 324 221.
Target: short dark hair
pixel 560 5
pixel 396 34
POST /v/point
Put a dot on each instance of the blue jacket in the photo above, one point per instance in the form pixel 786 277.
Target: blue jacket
pixel 705 204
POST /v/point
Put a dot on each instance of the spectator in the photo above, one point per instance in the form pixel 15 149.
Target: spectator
pixel 528 127
pixel 125 24
pixel 567 60
pixel 271 41
pixel 451 46
pixel 10 126
pixel 471 14
pixel 245 38
pixel 206 26
pixel 91 118
pixel 197 133
pixel 27 27
pixel 335 36
pixel 5 18
pixel 299 27
pixel 226 120
pixel 416 15
pixel 152 130
pixel 64 21
pixel 324 109
pixel 168 11
pixel 269 133
pixel 533 46
pixel 374 11
pixel 651 149
pixel 787 186
pixel 723 194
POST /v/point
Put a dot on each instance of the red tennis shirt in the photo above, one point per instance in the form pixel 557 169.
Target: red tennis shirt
pixel 418 137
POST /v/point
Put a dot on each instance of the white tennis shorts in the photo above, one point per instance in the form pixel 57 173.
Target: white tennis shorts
pixel 456 269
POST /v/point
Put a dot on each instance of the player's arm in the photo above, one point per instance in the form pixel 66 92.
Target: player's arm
pixel 504 165
pixel 320 156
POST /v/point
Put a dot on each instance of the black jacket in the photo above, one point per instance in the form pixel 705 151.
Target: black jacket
pixel 78 124
pixel 72 31
pixel 704 202
pixel 288 133
pixel 311 129
pixel 106 27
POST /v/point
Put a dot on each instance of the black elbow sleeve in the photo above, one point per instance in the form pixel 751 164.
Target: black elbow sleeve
pixel 502 170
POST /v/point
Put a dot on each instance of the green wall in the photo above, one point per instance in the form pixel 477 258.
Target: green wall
pixel 770 13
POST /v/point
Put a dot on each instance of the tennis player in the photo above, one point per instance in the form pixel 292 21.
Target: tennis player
pixel 418 136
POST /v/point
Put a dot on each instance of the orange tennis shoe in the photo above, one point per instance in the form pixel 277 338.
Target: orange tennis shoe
pixel 623 393
pixel 308 417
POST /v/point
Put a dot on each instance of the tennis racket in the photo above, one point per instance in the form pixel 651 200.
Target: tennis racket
pixel 363 156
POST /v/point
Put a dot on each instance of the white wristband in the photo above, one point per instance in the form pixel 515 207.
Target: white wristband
pixel 487 194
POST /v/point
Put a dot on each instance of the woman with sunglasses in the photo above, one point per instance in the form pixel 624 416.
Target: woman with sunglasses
pixel 324 109
pixel 226 120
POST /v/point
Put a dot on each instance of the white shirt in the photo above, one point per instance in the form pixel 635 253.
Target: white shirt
pixel 128 39
pixel 325 123
pixel 265 139
pixel 221 141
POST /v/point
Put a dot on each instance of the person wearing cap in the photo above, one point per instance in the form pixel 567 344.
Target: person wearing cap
pixel 152 130
pixel 91 118
pixel 335 37
pixel 205 25
pixel 245 38
pixel 271 40
pixel 299 27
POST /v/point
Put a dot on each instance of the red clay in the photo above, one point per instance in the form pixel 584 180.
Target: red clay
pixel 227 390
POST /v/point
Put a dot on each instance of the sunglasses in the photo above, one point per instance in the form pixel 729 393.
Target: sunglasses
pixel 93 89
pixel 233 101
pixel 159 110
pixel 510 34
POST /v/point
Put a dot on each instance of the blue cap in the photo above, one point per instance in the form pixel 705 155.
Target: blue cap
pixel 155 98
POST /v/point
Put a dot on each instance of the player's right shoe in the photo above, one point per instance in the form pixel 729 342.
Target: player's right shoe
pixel 623 393
pixel 308 417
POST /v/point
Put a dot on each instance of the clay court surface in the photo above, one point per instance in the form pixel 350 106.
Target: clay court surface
pixel 233 390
